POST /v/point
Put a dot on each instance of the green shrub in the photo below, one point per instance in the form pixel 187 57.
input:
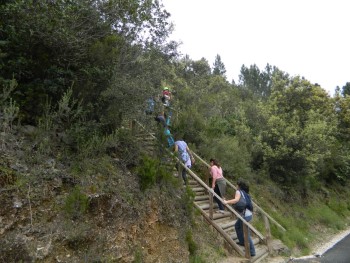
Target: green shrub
pixel 10 113
pixel 151 172
pixel 192 246
pixel 9 109
pixel 76 204
pixel 197 259
pixel 147 172
pixel 138 256
pixel 232 155
pixel 93 144
pixel 187 199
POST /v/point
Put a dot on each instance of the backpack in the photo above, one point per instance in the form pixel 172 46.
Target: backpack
pixel 241 205
pixel 248 199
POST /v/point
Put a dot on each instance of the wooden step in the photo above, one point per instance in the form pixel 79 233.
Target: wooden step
pixel 193 183
pixel 201 198
pixel 227 225
pixel 201 193
pixel 232 234
pixel 260 252
pixel 204 205
pixel 198 189
pixel 231 231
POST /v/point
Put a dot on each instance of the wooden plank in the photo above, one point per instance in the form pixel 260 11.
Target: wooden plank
pixel 227 225
pixel 201 198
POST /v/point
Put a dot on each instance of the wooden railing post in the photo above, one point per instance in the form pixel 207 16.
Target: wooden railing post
pixel 179 170
pixel 246 240
pixel 211 206
pixel 133 127
pixel 268 233
pixel 207 173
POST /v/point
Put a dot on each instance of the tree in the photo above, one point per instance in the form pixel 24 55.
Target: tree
pixel 219 67
pixel 300 133
pixel 256 82
pixel 342 111
pixel 49 46
pixel 346 89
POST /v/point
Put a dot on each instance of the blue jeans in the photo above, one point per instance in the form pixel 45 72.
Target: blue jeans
pixel 240 235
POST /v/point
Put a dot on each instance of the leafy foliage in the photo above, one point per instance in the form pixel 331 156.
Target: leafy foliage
pixel 95 45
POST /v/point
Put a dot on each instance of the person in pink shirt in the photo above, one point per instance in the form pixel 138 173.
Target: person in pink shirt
pixel 218 183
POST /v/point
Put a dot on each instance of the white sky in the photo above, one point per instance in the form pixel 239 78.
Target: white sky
pixel 310 38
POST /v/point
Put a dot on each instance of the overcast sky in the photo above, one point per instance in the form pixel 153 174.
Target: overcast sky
pixel 310 38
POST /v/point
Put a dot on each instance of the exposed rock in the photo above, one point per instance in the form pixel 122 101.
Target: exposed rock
pixel 278 248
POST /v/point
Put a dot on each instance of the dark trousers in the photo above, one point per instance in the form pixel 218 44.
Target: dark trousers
pixel 183 172
pixel 217 191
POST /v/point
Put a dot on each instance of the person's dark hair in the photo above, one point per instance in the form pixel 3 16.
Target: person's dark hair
pixel 215 162
pixel 243 185
pixel 178 137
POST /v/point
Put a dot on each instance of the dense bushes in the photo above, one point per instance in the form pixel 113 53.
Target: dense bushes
pixel 80 70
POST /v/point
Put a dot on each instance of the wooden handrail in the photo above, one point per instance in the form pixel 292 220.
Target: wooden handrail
pixel 234 187
pixel 228 207
pixel 210 191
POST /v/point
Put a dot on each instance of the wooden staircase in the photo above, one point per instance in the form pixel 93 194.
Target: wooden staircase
pixel 225 223
pixel 148 142
pixel 222 223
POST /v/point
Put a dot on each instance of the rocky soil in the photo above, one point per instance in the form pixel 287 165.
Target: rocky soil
pixel 56 210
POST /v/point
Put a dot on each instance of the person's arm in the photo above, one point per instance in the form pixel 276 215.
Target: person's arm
pixel 234 200
pixel 189 152
pixel 176 148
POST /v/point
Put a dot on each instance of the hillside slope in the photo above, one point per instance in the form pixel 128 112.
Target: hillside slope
pixel 54 209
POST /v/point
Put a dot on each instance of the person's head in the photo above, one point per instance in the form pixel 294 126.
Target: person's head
pixel 165 88
pixel 243 185
pixel 178 137
pixel 214 162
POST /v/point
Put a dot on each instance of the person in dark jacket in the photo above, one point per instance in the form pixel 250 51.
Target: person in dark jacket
pixel 243 191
